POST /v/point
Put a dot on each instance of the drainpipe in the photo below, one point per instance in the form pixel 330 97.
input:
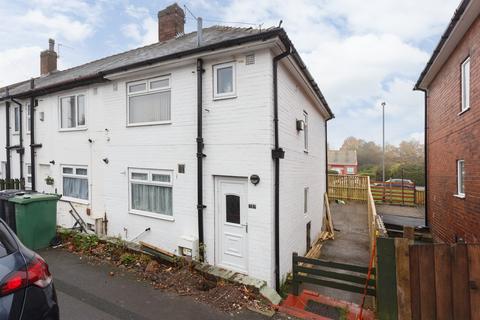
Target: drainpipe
pixel 33 146
pixel 425 92
pixel 200 156
pixel 277 154
pixel 20 150
pixel 7 142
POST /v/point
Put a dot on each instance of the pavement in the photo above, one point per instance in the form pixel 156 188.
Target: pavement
pixel 87 291
pixel 351 245
pixel 401 215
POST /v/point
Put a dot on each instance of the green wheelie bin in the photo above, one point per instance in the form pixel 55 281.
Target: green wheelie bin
pixel 36 219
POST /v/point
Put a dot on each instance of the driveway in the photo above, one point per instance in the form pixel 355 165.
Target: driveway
pixel 351 246
pixel 87 291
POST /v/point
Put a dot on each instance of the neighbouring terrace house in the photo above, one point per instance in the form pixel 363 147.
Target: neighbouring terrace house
pixel 214 141
pixel 343 161
pixel 451 83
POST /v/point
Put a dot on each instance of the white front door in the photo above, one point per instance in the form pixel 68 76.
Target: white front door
pixel 231 210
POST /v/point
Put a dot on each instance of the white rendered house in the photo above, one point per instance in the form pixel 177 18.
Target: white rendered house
pixel 213 139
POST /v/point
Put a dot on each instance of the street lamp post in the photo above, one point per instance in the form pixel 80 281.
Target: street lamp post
pixel 383 142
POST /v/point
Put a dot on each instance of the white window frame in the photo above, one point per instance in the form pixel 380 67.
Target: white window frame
pixel 150 181
pixel 77 127
pixel 148 90
pixel 466 84
pixel 27 116
pixel 305 131
pixel 16 110
pixel 28 175
pixel 350 170
pixel 306 192
pixel 74 175
pixel 226 95
pixel 460 178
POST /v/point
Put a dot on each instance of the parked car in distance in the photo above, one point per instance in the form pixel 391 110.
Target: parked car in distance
pixel 26 287
pixel 398 182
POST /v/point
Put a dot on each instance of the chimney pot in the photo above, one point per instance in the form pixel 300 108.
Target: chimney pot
pixel 48 59
pixel 171 22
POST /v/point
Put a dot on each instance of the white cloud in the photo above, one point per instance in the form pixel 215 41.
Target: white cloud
pixel 142 33
pixel 57 25
pixel 19 64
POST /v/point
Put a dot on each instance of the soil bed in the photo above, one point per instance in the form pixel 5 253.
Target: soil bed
pixel 180 277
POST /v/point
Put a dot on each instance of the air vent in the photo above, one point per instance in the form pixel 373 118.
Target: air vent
pixel 250 59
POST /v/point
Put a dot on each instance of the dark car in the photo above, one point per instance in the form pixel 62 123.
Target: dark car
pixel 26 287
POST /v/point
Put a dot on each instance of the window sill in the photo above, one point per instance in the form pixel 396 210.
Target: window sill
pixel 158 216
pixel 73 129
pixel 460 196
pixel 143 124
pixel 75 200
pixel 15 133
pixel 463 111
pixel 224 97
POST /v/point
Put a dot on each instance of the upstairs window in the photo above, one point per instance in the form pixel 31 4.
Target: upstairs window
pixel 16 119
pixel 72 112
pixel 305 200
pixel 461 178
pixel 28 118
pixel 149 101
pixel 466 84
pixel 75 182
pixel 224 80
pixel 305 131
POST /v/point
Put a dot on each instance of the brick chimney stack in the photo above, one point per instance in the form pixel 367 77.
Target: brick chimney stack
pixel 48 59
pixel 171 22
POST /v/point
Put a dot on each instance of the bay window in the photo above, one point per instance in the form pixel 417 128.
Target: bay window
pixel 151 192
pixel 149 101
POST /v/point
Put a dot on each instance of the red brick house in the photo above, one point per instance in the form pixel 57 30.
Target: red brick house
pixel 343 161
pixel 451 83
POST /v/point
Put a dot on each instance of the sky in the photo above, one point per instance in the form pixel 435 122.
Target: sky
pixel 360 52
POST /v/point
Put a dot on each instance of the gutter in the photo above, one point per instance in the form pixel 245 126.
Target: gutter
pixel 277 154
pixel 200 156
pixel 32 139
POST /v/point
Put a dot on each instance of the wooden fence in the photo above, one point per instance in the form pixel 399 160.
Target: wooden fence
pixel 428 281
pixel 343 187
pixel 420 197
pixel 18 184
pixel 331 274
pixel 352 187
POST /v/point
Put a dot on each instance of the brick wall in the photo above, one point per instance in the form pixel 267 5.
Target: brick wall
pixel 452 136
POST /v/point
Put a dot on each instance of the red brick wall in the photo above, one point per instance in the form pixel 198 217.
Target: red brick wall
pixel 450 137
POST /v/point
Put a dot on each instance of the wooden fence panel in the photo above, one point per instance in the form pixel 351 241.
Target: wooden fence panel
pixel 426 270
pixel 443 281
pixel 474 279
pixel 347 187
pixel 460 290
pixel 403 278
pixel 415 283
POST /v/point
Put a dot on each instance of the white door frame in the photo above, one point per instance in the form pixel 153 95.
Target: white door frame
pixel 218 225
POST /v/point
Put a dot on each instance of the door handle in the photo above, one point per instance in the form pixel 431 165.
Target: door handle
pixel 246 227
